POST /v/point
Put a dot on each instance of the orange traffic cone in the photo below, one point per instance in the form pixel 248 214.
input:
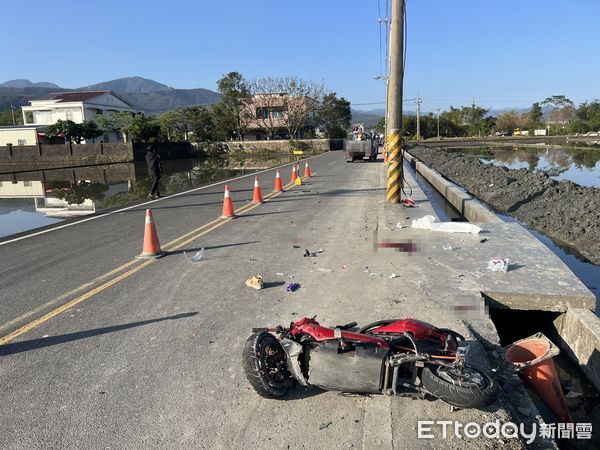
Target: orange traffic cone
pixel 306 170
pixel 294 174
pixel 256 195
pixel 533 358
pixel 227 204
pixel 278 185
pixel 151 248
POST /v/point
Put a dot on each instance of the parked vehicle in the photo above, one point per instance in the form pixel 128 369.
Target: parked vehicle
pixel 404 357
pixel 357 150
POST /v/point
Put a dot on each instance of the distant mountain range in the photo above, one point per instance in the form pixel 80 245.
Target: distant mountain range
pixel 149 95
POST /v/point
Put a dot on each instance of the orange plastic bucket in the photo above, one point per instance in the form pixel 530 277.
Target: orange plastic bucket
pixel 532 357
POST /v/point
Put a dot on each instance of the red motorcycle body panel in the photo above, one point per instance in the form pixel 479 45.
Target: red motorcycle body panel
pixel 419 329
pixel 320 333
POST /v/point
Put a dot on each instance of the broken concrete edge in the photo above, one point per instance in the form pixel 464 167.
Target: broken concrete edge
pixel 578 334
pixel 471 208
pixel 531 302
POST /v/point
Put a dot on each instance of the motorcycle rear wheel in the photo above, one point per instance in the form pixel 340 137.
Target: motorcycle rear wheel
pixel 264 362
pixel 470 389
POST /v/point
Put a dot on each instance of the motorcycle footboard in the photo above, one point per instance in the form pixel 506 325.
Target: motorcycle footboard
pixel 358 369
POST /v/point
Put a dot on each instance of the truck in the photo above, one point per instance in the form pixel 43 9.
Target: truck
pixel 362 144
pixel 357 150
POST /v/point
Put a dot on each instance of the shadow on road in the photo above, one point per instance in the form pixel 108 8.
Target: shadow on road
pixel 211 247
pixel 18 347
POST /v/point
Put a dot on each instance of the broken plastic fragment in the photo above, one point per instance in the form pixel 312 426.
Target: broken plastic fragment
pixel 498 264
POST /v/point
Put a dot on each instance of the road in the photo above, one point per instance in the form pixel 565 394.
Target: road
pixel 105 351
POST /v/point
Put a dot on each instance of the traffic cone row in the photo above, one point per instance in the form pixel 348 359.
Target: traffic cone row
pixel 151 246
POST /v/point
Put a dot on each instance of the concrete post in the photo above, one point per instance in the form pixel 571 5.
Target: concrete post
pixel 394 105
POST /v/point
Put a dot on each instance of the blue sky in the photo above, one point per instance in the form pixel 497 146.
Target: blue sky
pixel 503 53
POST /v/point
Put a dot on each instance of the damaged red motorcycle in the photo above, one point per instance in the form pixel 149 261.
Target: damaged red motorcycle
pixel 403 357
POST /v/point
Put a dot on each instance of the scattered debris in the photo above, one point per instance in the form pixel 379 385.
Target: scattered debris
pixel 394 275
pixel 344 267
pixel 324 270
pixel 292 287
pixel 447 247
pixel 255 282
pixel 498 264
pixel 307 253
pixel 409 203
pixel 296 246
pixel 325 425
pixel 399 225
pixel 483 240
pixel 429 223
pixel 280 274
pixel 253 259
pixel 196 256
pixel 320 250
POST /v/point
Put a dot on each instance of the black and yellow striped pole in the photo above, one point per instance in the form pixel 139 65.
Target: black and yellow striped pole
pixel 394 103
pixel 394 175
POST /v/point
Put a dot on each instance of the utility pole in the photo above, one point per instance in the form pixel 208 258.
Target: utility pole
pixel 438 120
pixel 394 104
pixel 12 108
pixel 418 118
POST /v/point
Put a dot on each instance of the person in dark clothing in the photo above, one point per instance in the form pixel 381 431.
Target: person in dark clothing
pixel 155 168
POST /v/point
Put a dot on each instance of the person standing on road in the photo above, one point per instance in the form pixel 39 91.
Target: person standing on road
pixel 155 168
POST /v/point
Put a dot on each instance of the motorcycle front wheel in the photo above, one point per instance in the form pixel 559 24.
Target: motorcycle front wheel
pixel 264 362
pixel 465 388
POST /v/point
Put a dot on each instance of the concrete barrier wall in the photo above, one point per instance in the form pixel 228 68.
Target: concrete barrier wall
pixel 471 208
pixel 281 146
pixel 41 156
pixel 579 337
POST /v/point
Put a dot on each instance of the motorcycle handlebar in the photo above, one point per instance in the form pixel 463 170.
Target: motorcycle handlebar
pixel 348 325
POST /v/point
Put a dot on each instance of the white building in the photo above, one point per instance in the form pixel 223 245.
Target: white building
pixel 77 106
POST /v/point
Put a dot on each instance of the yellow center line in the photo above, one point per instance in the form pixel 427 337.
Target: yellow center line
pixel 173 245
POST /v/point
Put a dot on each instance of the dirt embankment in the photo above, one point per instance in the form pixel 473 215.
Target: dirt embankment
pixel 564 211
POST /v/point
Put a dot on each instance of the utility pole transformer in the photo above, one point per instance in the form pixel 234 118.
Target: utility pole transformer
pixel 394 103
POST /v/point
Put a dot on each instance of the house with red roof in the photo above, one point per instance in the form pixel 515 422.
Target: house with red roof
pixel 77 106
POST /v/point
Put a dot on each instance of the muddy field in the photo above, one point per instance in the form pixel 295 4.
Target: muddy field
pixel 564 211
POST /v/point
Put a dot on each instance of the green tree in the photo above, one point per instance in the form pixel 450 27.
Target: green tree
pixel 380 126
pixel 74 132
pixel 115 122
pixel 535 115
pixel 201 124
pixel 335 114
pixel 6 117
pixel 234 108
pixel 143 128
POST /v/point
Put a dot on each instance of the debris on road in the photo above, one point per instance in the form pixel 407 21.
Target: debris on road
pixel 307 253
pixel 292 287
pixel 325 425
pixel 483 240
pixel 429 223
pixel 498 264
pixel 394 275
pixel 280 274
pixel 324 270
pixel 196 256
pixel 255 282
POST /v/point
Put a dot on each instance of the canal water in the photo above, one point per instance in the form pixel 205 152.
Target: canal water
pixel 29 200
pixel 580 165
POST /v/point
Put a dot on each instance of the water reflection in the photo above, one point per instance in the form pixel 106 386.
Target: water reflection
pixel 34 199
pixel 580 165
